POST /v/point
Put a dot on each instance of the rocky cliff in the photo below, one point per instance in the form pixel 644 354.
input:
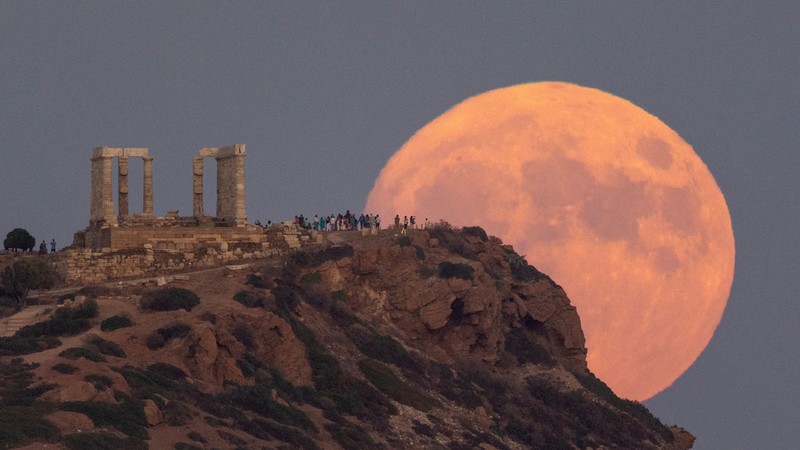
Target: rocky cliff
pixel 442 339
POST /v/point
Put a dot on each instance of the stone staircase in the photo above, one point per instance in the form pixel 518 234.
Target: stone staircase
pixel 28 316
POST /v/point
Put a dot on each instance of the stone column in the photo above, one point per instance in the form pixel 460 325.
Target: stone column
pixel 230 185
pixel 240 212
pixel 122 198
pixel 197 199
pixel 95 196
pixel 147 207
pixel 102 206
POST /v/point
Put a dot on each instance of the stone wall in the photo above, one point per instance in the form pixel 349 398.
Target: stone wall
pixel 137 252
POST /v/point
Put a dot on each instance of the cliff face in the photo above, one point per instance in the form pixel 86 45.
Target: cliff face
pixel 440 339
pixel 393 283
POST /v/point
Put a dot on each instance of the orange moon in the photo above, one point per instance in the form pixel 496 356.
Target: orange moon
pixel 595 192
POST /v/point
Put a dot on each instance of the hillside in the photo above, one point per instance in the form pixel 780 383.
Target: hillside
pixel 444 339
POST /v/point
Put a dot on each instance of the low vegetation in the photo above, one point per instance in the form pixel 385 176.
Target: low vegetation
pixel 249 299
pixel 161 337
pixel 317 258
pixel 65 321
pixel 75 353
pixel 169 299
pixel 104 346
pixel 25 274
pixel 21 417
pixel 116 322
pixel 520 269
pixel 448 269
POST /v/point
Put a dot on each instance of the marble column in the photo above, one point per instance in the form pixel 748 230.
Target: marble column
pixel 122 195
pixel 147 201
pixel 197 187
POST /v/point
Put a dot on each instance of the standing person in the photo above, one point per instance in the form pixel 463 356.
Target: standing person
pixel 413 223
pixel 52 245
pixel 405 225
pixel 42 248
pixel 377 221
pixel 397 221
pixel 427 224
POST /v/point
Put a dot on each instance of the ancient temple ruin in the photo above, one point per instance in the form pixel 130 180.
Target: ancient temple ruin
pixel 101 206
pixel 230 184
pixel 112 226
pixel 120 245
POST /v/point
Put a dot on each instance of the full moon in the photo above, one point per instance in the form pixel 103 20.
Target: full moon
pixel 595 192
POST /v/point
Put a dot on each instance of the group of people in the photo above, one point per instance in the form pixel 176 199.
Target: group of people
pixel 408 222
pixel 339 222
pixel 43 247
pixel 351 221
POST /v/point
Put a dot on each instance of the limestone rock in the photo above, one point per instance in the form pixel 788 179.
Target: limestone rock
pixel 152 414
pixel 70 422
pixel 77 391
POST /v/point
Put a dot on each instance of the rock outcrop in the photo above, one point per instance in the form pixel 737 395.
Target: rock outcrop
pixel 443 338
pixel 393 286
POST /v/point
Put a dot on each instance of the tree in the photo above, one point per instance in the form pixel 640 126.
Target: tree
pixel 19 238
pixel 26 274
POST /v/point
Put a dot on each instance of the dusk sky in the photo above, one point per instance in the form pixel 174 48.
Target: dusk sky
pixel 323 93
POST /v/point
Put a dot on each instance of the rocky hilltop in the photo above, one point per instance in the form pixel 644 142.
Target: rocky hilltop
pixel 442 339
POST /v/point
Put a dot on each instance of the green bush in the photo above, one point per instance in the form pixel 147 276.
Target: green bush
pixel 244 336
pixel 197 437
pixel 167 371
pixel 170 299
pixel 520 343
pixel 26 274
pixel 160 337
pixel 314 259
pixel 116 322
pixel 452 240
pixel 476 231
pixel 259 400
pixel 101 382
pixel 256 281
pixel 74 353
pixel 249 299
pixel 64 368
pixel 21 425
pixel 455 270
pixel 390 384
pixel 126 416
pixel 20 239
pixel 65 321
pixel 16 345
pixel 521 270
pixel 383 348
pixel 263 429
pixel 16 377
pixel 105 347
pixel 420 252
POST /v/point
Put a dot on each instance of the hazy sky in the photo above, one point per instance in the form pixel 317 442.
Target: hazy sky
pixel 323 93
